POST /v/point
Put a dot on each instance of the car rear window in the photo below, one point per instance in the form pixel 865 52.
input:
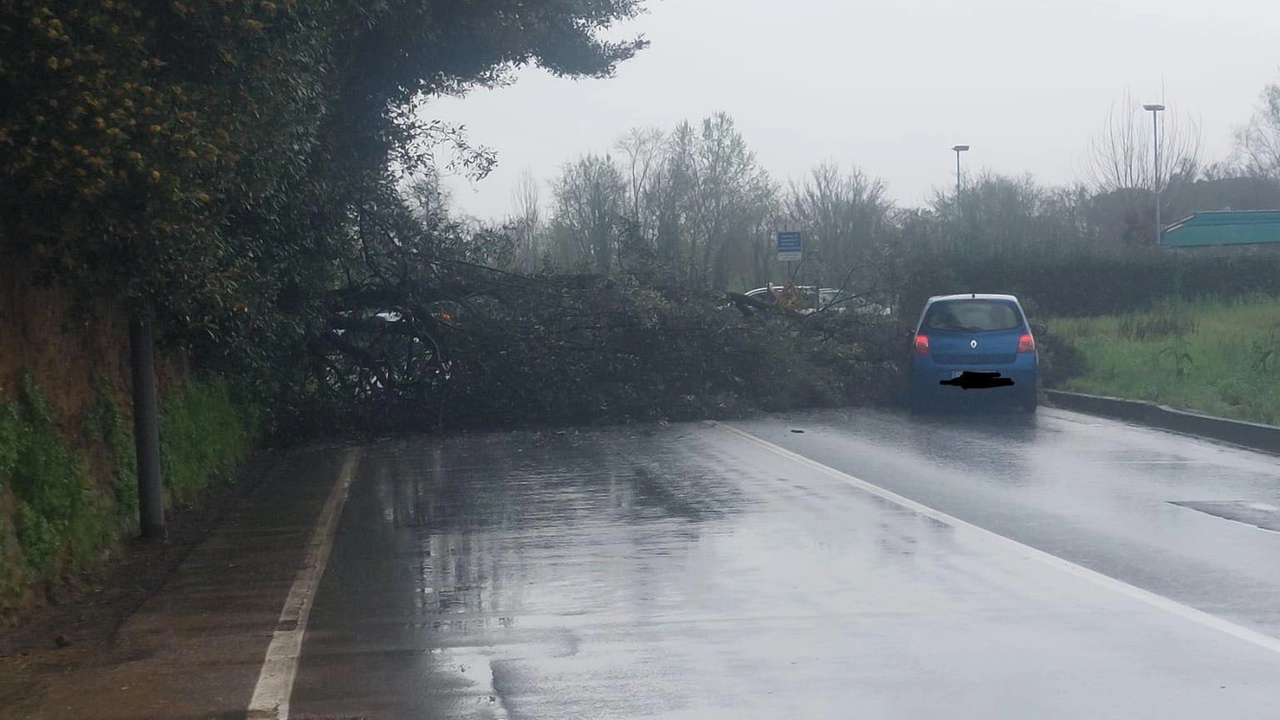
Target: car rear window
pixel 972 316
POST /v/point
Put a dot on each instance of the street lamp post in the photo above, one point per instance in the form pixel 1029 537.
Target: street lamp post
pixel 1154 109
pixel 959 149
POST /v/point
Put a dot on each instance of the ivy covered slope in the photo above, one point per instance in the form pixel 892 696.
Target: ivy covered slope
pixel 68 491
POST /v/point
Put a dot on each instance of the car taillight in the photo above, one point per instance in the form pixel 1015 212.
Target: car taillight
pixel 1026 343
pixel 922 345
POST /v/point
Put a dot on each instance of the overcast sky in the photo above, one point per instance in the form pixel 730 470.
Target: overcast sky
pixel 889 85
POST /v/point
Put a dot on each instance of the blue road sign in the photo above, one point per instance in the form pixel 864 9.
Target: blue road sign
pixel 790 246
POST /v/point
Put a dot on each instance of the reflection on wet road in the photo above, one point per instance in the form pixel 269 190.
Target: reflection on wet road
pixel 1117 499
pixel 685 572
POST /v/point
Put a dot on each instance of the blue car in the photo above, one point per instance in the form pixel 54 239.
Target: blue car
pixel 971 348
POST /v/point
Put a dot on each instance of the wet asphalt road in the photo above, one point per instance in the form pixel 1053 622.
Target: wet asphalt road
pixel 689 572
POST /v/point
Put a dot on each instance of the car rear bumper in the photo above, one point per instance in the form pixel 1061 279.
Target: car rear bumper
pixel 937 381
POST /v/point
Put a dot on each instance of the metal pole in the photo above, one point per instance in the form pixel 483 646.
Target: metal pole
pixel 957 177
pixel 1155 128
pixel 146 430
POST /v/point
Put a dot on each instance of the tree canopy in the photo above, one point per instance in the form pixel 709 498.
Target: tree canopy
pixel 232 168
pixel 191 155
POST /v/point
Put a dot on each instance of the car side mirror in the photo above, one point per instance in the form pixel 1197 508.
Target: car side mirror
pixel 1039 329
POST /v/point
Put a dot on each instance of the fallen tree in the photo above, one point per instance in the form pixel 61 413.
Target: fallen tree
pixel 503 350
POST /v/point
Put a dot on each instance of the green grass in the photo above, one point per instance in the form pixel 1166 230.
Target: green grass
pixel 57 519
pixel 204 436
pixel 1215 357
pixel 106 423
pixel 58 525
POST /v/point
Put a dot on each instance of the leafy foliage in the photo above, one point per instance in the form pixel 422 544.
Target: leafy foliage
pixel 60 525
pixel 204 435
pixel 143 124
pixel 230 170
pixel 590 197
pixel 1090 284
pixel 106 424
pixel 1061 361
pixel 207 161
pixel 588 348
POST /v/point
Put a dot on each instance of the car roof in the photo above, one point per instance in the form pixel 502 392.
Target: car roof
pixel 973 296
pixel 783 287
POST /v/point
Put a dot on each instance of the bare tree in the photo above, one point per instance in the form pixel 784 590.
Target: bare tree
pixel 589 202
pixel 1259 141
pixel 707 202
pixel 426 197
pixel 845 214
pixel 644 151
pixel 671 198
pixel 527 199
pixel 1120 154
pixel 696 199
pixel 1123 172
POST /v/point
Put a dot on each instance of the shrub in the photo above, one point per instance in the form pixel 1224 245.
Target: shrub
pixel 55 523
pixel 204 436
pixel 588 349
pixel 60 525
pixel 1090 284
pixel 106 423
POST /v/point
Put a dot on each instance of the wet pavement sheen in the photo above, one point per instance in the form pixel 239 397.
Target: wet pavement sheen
pixel 685 572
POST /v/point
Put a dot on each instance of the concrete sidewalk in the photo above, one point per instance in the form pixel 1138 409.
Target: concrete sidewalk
pixel 195 648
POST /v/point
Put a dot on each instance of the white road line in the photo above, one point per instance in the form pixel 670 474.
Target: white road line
pixel 275 680
pixel 1187 612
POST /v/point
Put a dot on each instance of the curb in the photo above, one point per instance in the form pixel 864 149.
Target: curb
pixel 1254 436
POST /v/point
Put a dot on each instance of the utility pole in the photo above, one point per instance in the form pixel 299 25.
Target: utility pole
pixel 146 428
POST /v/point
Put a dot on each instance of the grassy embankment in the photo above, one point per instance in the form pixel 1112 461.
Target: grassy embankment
pixel 68 490
pixel 1216 357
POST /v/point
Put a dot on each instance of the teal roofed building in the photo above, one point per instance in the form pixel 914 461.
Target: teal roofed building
pixel 1224 227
